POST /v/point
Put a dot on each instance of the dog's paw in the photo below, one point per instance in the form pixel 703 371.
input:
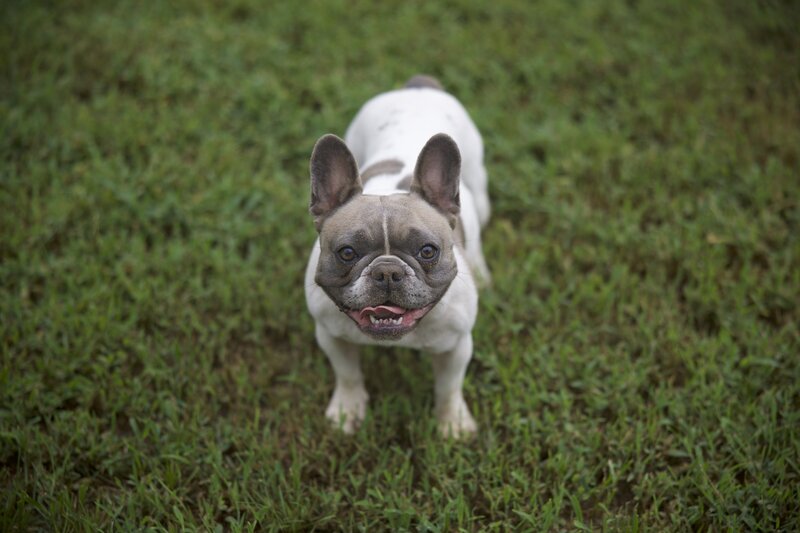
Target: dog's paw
pixel 456 422
pixel 347 408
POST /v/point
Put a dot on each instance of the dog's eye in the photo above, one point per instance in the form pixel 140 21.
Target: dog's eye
pixel 428 252
pixel 347 254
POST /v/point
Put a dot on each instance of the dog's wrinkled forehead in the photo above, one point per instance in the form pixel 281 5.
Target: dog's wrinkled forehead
pixel 385 220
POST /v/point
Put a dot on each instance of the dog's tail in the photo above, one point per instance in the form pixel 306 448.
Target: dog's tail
pixel 423 81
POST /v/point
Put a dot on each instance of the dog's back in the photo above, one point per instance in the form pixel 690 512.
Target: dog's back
pixel 390 130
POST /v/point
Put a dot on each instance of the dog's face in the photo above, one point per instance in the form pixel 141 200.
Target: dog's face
pixel 385 260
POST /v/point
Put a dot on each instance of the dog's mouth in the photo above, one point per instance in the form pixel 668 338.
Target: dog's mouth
pixel 387 320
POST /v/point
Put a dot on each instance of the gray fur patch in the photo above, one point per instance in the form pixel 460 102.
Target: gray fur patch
pixel 423 81
pixel 385 166
pixel 405 183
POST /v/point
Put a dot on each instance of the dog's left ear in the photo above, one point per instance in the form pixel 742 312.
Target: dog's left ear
pixel 436 176
pixel 334 177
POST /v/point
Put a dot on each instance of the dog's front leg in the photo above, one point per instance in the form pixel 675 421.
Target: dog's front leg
pixel 449 368
pixel 348 405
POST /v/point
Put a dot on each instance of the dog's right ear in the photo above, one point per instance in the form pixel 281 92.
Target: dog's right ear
pixel 334 177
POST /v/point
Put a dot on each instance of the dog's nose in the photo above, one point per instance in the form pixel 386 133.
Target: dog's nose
pixel 387 272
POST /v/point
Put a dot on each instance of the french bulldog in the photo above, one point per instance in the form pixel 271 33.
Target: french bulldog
pixel 399 206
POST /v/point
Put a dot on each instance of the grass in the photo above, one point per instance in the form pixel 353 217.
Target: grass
pixel 636 361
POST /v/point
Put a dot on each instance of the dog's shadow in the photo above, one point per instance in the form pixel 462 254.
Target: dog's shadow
pixel 400 385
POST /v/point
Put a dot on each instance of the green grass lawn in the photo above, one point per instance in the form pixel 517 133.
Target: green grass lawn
pixel 637 361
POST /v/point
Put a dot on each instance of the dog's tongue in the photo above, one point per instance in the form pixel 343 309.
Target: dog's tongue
pixel 382 311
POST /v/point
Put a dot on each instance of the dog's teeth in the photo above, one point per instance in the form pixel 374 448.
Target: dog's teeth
pixel 388 321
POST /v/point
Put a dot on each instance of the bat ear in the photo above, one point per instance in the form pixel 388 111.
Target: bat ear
pixel 334 177
pixel 437 175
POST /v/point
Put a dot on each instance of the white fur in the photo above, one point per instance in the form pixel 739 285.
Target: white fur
pixel 396 125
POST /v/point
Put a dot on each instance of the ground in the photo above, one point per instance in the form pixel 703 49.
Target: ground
pixel 636 360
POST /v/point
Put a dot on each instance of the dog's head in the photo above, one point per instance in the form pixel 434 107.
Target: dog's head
pixel 385 260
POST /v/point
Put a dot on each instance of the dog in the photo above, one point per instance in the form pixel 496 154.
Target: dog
pixel 399 206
